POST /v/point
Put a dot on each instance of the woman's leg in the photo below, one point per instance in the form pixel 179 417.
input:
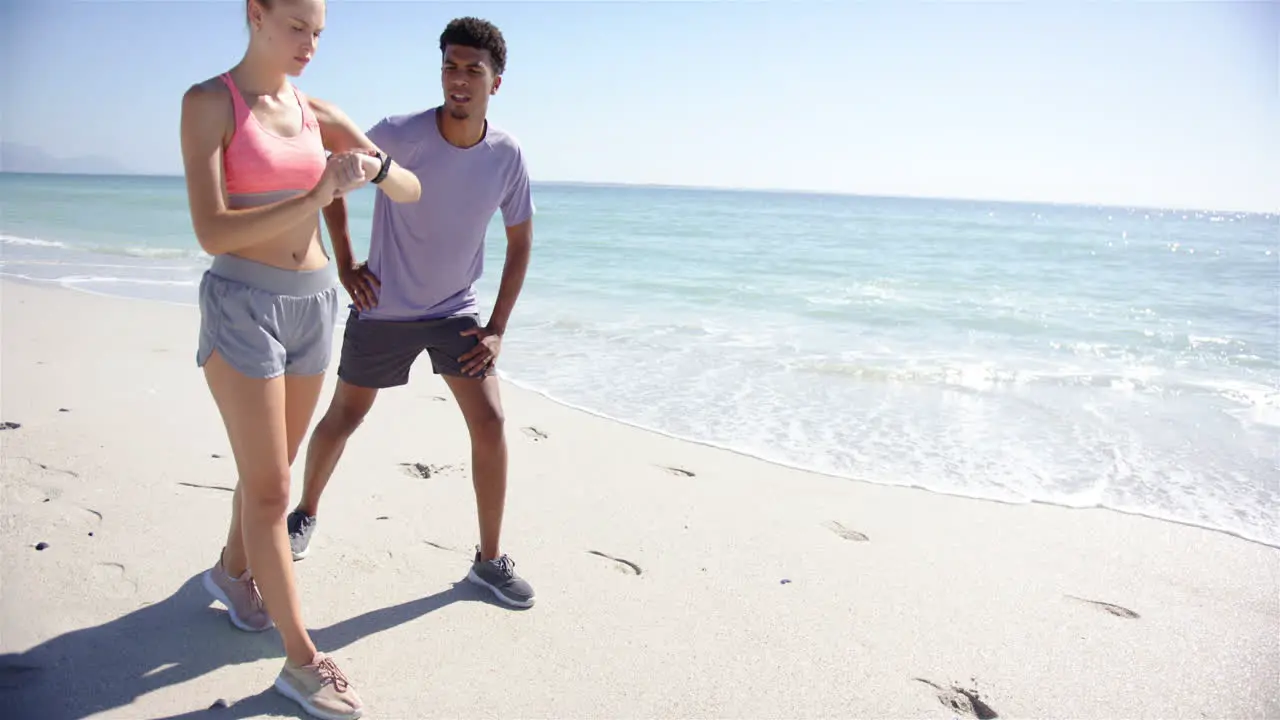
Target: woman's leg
pixel 302 394
pixel 254 411
pixel 265 421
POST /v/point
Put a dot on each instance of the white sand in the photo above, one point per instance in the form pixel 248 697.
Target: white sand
pixel 110 619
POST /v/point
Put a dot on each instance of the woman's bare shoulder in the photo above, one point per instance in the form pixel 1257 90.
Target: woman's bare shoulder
pixel 207 108
pixel 207 93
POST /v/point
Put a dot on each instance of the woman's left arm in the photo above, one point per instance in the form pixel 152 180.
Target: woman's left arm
pixel 339 134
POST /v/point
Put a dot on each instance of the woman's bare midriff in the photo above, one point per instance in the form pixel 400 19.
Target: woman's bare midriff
pixel 299 248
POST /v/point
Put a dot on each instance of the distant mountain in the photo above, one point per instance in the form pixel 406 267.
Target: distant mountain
pixel 15 157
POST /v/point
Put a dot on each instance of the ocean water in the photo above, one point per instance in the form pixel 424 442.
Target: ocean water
pixel 1126 358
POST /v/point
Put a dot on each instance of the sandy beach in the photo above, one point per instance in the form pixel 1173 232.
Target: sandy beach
pixel 674 580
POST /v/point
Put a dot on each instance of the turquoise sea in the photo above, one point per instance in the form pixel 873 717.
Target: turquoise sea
pixel 1119 357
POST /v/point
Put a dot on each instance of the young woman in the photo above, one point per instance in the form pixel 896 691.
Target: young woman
pixel 254 150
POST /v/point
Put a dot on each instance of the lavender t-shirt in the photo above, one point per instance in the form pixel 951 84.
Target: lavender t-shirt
pixel 428 255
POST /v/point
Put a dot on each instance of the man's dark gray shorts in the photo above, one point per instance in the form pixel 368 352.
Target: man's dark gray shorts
pixel 380 353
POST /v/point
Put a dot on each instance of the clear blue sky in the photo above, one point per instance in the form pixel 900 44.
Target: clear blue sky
pixel 1161 103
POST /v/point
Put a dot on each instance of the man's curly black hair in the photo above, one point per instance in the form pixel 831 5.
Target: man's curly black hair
pixel 479 34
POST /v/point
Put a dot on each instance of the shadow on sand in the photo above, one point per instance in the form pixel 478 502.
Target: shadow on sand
pixel 97 669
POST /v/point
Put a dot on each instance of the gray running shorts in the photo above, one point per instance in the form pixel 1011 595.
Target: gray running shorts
pixel 267 321
pixel 379 353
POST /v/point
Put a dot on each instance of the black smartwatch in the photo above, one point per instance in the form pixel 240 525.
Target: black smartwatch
pixel 382 171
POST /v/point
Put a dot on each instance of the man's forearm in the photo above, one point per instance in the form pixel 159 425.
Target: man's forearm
pixel 335 218
pixel 513 272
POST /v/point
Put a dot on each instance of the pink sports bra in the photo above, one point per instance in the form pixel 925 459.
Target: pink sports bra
pixel 259 161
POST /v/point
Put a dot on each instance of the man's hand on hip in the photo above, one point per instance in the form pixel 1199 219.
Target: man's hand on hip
pixel 361 284
pixel 484 354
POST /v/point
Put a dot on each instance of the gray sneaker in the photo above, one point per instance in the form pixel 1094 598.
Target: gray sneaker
pixel 500 577
pixel 301 526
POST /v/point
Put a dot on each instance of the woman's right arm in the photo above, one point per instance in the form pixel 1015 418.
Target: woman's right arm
pixel 219 230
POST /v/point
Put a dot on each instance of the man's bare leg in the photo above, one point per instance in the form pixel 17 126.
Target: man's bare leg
pixel 481 406
pixel 347 409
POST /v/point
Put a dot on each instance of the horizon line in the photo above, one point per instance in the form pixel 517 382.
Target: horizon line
pixel 769 191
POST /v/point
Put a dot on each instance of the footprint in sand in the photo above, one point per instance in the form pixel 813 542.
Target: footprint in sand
pixel 87 519
pixel 14 673
pixel 962 700
pixel 422 471
pixel 624 566
pixel 533 433
pixel 198 486
pixel 678 471
pixel 110 579
pixel 48 469
pixel 1118 611
pixel 445 548
pixel 844 532
pixel 44 491
pixel 28 494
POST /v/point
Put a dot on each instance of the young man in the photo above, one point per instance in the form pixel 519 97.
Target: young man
pixel 416 293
